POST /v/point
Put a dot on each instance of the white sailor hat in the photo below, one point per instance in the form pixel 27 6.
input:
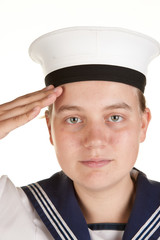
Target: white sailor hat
pixel 94 53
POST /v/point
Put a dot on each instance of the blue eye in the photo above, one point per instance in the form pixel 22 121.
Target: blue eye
pixel 73 120
pixel 115 118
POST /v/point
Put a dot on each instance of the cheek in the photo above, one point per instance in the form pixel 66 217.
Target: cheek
pixel 126 143
pixel 125 137
pixel 120 136
pixel 67 149
pixel 65 143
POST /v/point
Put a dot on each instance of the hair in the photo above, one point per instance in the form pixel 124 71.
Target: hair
pixel 142 100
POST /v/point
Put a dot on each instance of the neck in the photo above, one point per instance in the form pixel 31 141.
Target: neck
pixel 112 205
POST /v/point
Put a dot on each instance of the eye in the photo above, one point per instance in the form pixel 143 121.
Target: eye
pixel 115 118
pixel 73 120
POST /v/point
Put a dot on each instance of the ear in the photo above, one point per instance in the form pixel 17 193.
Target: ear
pixel 49 126
pixel 146 117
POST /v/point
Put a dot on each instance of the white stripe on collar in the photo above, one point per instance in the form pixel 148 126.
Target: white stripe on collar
pixel 149 227
pixel 51 212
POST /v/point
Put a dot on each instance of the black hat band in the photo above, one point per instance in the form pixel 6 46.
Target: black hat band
pixel 96 72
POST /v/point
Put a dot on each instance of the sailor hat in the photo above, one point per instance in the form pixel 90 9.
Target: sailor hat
pixel 94 53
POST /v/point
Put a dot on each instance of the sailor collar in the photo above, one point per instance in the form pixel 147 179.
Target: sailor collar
pixel 55 201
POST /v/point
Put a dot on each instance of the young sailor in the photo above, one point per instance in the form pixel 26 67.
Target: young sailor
pixel 97 118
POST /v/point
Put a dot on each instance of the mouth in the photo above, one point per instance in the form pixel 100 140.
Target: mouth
pixel 96 162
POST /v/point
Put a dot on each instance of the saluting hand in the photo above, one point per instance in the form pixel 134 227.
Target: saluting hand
pixel 23 109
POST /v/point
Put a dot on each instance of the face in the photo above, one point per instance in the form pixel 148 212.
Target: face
pixel 96 129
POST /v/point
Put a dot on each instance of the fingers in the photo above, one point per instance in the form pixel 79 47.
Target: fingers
pixel 30 98
pixel 25 104
pixel 23 109
pixel 10 124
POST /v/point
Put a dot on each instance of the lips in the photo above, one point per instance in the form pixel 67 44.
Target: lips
pixel 96 163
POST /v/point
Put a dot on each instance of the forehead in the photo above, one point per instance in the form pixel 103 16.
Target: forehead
pixel 97 94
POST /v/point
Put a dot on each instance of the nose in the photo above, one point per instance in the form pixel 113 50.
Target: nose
pixel 96 136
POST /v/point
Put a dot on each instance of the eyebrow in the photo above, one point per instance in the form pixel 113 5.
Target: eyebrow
pixel 64 108
pixel 122 105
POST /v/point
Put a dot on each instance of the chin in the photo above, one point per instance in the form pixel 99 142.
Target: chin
pixel 94 181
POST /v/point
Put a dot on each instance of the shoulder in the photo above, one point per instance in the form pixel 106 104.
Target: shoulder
pixel 6 187
pixel 147 195
pixel 12 198
pixel 17 216
pixel 11 209
pixel 145 212
pixel 148 184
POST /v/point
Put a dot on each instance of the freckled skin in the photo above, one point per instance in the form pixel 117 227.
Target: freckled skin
pixel 96 136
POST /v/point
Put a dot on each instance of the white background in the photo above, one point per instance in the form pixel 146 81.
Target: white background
pixel 26 154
